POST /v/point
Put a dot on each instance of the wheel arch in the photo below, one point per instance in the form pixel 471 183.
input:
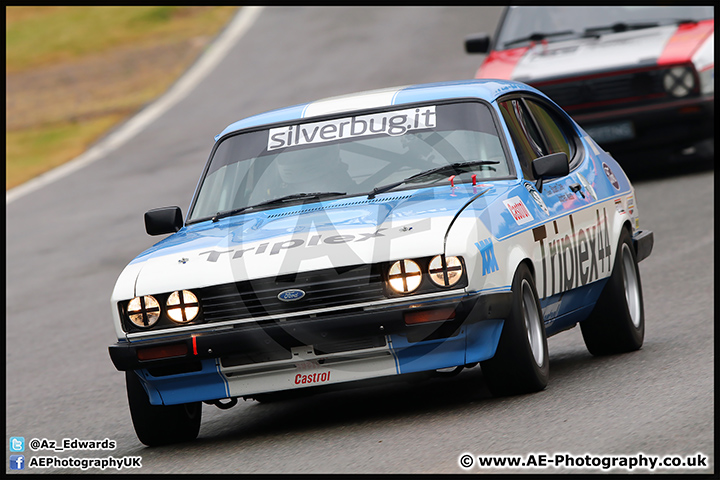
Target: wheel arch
pixel 627 225
pixel 617 223
pixel 518 256
pixel 531 266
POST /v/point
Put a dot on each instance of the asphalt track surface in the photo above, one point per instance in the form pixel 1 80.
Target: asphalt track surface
pixel 68 241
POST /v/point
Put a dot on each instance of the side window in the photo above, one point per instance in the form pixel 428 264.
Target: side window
pixel 527 140
pixel 557 138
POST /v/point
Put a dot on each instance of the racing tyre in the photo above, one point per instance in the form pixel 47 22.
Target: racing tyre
pixel 617 323
pixel 160 424
pixel 520 363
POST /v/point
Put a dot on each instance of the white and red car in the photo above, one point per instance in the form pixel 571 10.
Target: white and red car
pixel 639 80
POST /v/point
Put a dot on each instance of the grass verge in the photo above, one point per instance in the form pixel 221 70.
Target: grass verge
pixel 33 151
pixel 72 73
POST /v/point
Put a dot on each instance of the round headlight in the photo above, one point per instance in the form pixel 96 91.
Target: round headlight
pixel 183 306
pixel 404 276
pixel 144 311
pixel 679 81
pixel 454 271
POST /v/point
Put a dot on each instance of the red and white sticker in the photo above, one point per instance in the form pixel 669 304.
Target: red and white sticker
pixel 309 378
pixel 631 205
pixel 619 206
pixel 518 210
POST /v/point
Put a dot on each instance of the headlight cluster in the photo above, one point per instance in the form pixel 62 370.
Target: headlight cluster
pixel 445 275
pixel 181 307
pixel 679 81
pixel 406 276
pixel 144 311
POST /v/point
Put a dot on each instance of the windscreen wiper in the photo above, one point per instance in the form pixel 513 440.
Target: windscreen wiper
pixel 444 168
pixel 538 36
pixel 283 199
pixel 620 27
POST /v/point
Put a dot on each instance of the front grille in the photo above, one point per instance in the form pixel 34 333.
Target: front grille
pixel 635 87
pixel 323 288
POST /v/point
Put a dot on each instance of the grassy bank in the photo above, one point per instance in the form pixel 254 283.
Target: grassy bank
pixel 72 73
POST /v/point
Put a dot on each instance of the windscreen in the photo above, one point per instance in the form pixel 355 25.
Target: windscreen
pixel 572 22
pixel 351 155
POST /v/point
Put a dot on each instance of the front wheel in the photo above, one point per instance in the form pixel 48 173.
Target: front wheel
pixel 160 424
pixel 521 363
pixel 617 323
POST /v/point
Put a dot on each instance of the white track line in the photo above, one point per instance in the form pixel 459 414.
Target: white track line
pixel 209 60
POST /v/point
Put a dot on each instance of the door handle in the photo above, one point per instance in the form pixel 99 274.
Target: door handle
pixel 577 188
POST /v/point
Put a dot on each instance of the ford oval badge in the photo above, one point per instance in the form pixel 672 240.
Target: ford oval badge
pixel 290 295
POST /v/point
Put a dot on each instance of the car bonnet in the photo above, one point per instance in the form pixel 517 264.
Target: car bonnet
pixel 331 234
pixel 637 48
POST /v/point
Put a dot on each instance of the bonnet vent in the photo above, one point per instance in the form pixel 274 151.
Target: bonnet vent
pixel 339 205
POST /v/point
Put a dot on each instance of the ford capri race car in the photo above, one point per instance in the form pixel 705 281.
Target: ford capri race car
pixel 414 229
pixel 639 79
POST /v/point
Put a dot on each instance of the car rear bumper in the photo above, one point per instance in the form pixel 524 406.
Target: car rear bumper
pixel 643 241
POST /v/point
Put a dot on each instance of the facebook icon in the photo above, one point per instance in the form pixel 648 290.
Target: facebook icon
pixel 17 462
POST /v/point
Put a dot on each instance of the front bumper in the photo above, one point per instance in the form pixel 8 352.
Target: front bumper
pixel 254 358
pixel 338 332
pixel 662 127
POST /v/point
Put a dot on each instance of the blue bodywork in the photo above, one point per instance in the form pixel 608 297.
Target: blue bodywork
pixel 474 343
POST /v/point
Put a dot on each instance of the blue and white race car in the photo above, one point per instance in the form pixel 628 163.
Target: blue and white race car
pixel 412 229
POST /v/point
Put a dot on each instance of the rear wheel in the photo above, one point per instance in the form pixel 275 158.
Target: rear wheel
pixel 521 363
pixel 617 323
pixel 160 424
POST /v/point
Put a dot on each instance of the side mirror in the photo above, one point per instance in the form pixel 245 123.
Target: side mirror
pixel 549 166
pixel 160 221
pixel 477 43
